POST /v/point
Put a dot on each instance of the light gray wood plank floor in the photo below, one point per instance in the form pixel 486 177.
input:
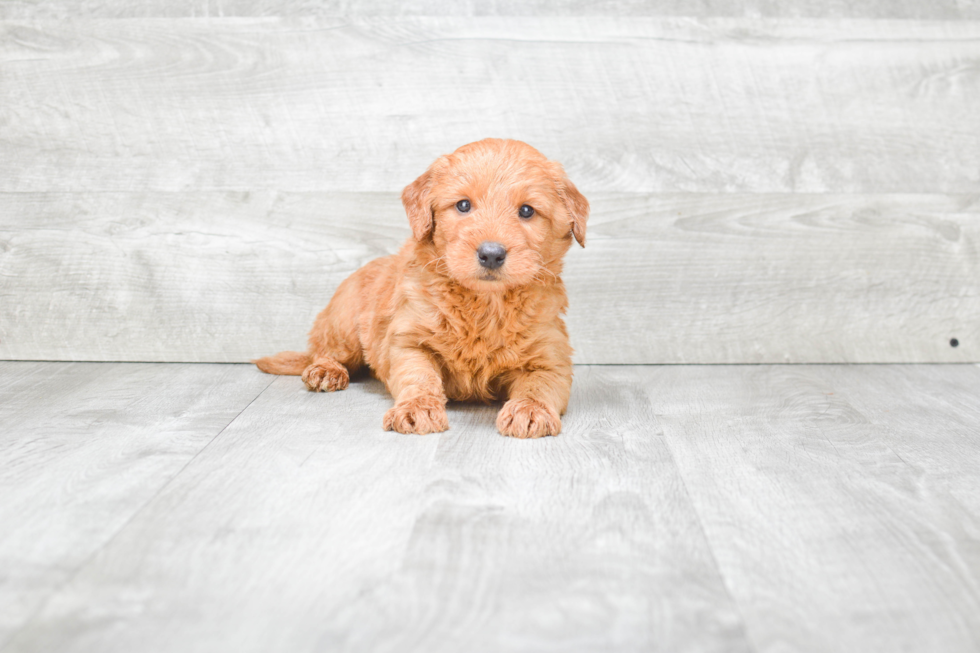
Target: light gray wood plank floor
pixel 757 508
pixel 842 503
pixel 83 446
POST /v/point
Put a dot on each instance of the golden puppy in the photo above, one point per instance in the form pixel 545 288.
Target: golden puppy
pixel 470 307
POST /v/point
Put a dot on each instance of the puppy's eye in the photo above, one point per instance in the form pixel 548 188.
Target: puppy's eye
pixel 463 206
pixel 525 212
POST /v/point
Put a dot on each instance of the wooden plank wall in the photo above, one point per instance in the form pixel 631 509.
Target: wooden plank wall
pixel 189 181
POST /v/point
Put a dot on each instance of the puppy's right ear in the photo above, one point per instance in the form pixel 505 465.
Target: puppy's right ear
pixel 578 209
pixel 574 201
pixel 418 205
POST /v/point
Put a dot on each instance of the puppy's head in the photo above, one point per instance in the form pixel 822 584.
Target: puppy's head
pixel 499 214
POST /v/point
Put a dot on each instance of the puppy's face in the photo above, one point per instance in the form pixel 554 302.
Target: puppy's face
pixel 499 214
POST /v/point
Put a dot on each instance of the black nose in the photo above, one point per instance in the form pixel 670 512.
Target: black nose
pixel 491 255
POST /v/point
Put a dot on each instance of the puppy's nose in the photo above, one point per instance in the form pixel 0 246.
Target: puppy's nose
pixel 491 255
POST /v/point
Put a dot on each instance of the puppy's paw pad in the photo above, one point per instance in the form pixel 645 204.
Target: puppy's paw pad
pixel 326 376
pixel 528 418
pixel 420 415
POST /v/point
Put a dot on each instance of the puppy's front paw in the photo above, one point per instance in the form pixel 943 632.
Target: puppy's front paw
pixel 528 418
pixel 326 375
pixel 418 415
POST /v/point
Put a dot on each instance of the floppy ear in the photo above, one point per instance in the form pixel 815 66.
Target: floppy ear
pixel 576 205
pixel 418 205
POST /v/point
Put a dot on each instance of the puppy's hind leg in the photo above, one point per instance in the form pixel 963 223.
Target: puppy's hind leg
pixel 325 374
pixel 335 346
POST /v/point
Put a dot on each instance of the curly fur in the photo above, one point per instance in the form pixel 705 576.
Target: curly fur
pixel 432 324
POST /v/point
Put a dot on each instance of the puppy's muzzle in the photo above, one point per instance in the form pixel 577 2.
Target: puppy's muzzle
pixel 491 255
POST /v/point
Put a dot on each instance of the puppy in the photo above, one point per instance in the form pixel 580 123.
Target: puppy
pixel 470 307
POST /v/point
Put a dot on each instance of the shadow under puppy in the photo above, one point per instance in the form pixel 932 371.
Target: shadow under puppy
pixel 470 307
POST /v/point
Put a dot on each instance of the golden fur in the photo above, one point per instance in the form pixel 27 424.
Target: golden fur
pixel 432 324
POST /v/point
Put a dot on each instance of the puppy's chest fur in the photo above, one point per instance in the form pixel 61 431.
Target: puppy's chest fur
pixel 478 340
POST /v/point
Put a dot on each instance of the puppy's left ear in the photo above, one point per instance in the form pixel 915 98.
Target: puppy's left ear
pixel 576 205
pixel 416 198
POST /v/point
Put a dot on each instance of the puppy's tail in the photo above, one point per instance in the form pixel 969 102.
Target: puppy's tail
pixel 285 362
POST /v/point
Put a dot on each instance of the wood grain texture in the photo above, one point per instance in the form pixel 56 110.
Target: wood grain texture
pixel 906 9
pixel 585 542
pixel 365 104
pixel 841 503
pixel 305 527
pixel 753 508
pixel 83 448
pixel 671 278
pixel 301 504
pixel 780 279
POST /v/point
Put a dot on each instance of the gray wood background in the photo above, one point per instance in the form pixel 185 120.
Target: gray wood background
pixel 772 182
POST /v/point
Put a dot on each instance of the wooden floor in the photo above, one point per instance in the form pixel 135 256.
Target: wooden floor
pixel 175 507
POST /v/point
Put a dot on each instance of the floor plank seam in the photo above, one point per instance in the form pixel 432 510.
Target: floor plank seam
pixel 85 563
pixel 707 541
